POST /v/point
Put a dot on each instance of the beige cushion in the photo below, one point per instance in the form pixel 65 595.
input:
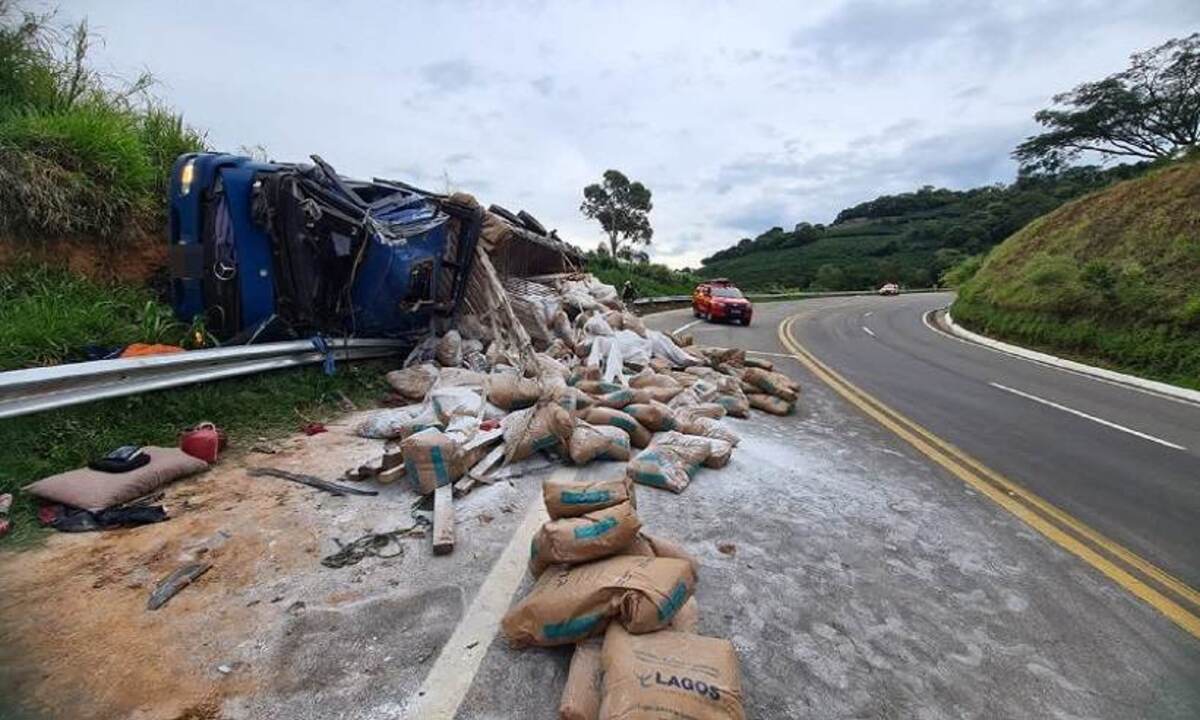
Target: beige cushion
pixel 95 490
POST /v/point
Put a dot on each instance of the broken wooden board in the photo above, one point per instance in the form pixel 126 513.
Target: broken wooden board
pixel 392 474
pixel 443 520
pixel 483 438
pixel 173 583
pixel 481 468
pixel 465 484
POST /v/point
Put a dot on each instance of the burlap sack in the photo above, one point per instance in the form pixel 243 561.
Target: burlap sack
pixel 735 404
pixel 771 404
pixel 649 378
pixel 654 416
pixel 542 427
pixel 708 427
pixel 684 415
pixel 721 451
pixel 776 384
pixel 634 323
pixel 639 436
pixel 414 382
pixel 670 461
pixel 576 540
pixel 616 319
pixel 585 682
pixel 573 400
pixel 598 442
pixel 759 363
pixel 449 350
pixel 571 602
pixel 719 355
pixel 662 394
pixel 647 545
pixel 512 392
pixel 589 373
pixel 584 688
pixel 597 387
pixel 670 674
pixel 620 398
pixel 431 459
pixel 571 498
pixel 688 618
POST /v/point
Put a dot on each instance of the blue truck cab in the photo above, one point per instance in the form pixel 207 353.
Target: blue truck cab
pixel 264 250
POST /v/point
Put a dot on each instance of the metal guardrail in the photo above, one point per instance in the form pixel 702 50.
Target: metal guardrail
pixel 667 299
pixel 47 388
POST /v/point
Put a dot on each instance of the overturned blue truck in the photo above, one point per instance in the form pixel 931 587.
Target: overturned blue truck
pixel 267 251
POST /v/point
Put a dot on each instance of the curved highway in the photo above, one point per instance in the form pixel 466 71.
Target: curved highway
pixel 1123 461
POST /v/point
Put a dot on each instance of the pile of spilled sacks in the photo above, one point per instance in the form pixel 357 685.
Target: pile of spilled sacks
pixel 587 381
pixel 605 388
pixel 624 598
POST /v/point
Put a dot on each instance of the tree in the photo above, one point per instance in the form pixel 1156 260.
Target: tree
pixel 829 277
pixel 623 209
pixel 1151 110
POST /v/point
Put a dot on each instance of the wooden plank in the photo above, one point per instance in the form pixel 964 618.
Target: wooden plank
pixel 481 468
pixel 391 458
pixel 481 439
pixel 391 474
pixel 464 485
pixel 443 520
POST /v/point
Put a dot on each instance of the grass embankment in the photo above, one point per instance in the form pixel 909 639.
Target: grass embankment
pixel 1112 278
pixel 649 279
pixel 80 155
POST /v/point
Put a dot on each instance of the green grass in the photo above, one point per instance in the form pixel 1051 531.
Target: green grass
pixel 80 155
pixel 649 279
pixel 267 405
pixel 50 316
pixel 1112 278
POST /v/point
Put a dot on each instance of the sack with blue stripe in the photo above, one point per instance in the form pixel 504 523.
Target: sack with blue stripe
pixel 587 537
pixel 571 602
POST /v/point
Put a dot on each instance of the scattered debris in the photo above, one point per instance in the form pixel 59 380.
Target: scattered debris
pixel 313 428
pixel 169 586
pixel 309 480
pixel 372 545
pixel 726 548
pixel 443 520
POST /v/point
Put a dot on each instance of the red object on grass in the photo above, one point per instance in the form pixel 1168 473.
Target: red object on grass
pixel 313 428
pixel 203 441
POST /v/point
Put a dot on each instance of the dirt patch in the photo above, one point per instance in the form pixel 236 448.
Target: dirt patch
pixel 79 642
pixel 140 259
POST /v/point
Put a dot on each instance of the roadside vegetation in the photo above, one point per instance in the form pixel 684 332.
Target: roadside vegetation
pixel 81 154
pixel 1113 278
pixel 649 279
pixel 911 238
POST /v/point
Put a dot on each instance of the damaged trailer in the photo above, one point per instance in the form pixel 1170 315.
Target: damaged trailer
pixel 273 250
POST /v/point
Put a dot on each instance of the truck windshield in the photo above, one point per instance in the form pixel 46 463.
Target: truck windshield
pixel 726 292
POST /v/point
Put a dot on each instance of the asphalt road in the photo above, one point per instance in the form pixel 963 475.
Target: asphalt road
pixel 1138 483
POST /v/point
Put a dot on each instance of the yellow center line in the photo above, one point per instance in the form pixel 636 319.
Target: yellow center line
pixel 1013 497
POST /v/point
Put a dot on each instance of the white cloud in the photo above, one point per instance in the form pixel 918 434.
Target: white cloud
pixel 737 116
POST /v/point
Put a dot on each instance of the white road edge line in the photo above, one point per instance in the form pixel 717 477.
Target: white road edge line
pixel 772 354
pixel 1084 415
pixel 869 313
pixel 867 330
pixel 681 328
pixel 448 681
pixel 1089 376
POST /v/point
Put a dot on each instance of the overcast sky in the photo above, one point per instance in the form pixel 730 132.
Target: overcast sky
pixel 738 116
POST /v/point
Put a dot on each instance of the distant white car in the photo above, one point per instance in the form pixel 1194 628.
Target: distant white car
pixel 890 289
